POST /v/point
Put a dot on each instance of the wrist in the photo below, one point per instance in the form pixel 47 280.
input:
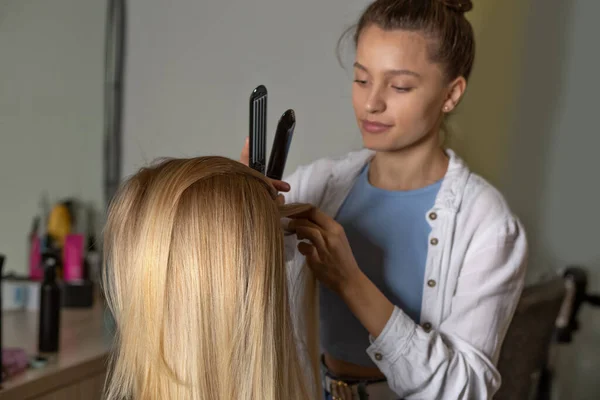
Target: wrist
pixel 367 303
pixel 353 285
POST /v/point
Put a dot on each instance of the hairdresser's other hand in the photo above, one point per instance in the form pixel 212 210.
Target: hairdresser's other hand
pixel 328 254
pixel 330 258
pixel 279 185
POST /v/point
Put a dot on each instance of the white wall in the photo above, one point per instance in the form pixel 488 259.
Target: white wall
pixel 551 174
pixel 51 88
pixel 192 65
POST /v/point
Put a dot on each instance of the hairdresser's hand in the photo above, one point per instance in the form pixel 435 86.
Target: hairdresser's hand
pixel 328 254
pixel 279 185
pixel 330 258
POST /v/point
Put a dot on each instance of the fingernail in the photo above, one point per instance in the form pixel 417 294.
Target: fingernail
pixel 247 140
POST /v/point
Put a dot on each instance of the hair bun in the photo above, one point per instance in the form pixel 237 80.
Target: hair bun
pixel 462 6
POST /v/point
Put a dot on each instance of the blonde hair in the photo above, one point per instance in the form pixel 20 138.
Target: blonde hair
pixel 195 278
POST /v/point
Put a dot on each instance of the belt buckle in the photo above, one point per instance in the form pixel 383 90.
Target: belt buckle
pixel 340 390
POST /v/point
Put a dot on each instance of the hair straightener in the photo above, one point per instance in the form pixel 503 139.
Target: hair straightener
pixel 281 145
pixel 258 136
pixel 258 129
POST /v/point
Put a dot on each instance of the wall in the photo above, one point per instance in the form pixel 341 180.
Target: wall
pixel 51 88
pixel 529 125
pixel 552 174
pixel 478 128
pixel 192 66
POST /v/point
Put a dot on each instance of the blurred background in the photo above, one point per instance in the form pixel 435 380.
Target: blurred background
pixel 528 123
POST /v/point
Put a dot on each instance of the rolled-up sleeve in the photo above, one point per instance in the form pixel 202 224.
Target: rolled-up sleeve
pixel 457 359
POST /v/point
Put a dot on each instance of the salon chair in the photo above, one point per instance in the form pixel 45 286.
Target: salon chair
pixel 546 315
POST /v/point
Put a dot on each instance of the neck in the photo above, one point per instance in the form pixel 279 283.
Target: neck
pixel 408 169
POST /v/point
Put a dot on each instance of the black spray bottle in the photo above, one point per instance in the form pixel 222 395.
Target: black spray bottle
pixel 50 303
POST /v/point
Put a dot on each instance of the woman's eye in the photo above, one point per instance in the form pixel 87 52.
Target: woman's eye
pixel 401 89
pixel 360 81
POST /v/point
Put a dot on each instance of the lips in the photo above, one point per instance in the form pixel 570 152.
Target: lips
pixel 375 127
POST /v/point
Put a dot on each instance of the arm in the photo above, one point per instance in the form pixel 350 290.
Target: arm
pixel 458 360
pixel 455 361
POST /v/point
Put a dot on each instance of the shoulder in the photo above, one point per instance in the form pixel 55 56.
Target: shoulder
pixel 480 196
pixel 488 238
pixel 470 195
pixel 483 216
pixel 486 214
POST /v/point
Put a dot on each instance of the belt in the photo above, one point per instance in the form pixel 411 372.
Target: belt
pixel 350 389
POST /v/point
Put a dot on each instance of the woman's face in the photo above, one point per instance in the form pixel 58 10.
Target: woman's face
pixel 398 94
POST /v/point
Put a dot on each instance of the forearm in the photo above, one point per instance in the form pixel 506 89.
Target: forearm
pixel 367 303
pixel 431 365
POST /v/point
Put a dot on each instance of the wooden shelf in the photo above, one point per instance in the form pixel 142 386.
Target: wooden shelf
pixel 78 370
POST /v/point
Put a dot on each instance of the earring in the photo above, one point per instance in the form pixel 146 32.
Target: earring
pixel 446 108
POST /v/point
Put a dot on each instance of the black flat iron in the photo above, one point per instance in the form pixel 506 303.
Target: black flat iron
pixel 281 145
pixel 258 129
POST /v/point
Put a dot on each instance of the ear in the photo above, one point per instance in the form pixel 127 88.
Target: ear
pixel 456 89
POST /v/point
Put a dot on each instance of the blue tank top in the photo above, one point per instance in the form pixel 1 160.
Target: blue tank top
pixel 388 233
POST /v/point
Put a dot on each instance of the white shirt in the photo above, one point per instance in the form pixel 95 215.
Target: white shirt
pixel 474 276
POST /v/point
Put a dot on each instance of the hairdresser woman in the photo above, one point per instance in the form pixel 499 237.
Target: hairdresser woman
pixel 421 262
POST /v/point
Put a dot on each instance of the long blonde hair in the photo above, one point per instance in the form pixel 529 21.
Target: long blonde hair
pixel 195 278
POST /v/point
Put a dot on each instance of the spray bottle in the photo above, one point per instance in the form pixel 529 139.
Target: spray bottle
pixel 50 303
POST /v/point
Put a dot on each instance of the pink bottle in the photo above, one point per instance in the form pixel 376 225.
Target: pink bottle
pixel 73 258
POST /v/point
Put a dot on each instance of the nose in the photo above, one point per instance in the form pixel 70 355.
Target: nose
pixel 375 102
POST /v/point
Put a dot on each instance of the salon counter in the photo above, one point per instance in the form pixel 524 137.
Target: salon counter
pixel 79 369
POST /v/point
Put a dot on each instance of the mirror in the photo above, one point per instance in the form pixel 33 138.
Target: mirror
pixel 52 113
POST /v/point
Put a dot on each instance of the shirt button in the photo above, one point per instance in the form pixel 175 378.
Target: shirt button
pixel 431 283
pixel 427 327
pixel 378 356
pixel 432 216
pixel 434 241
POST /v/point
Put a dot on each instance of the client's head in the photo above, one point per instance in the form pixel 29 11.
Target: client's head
pixel 196 281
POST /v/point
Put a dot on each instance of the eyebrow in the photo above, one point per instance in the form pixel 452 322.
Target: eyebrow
pixel 390 72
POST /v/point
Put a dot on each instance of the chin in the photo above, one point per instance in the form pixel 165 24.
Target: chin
pixel 380 142
pixel 391 142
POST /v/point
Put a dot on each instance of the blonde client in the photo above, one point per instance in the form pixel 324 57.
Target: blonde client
pixel 195 279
